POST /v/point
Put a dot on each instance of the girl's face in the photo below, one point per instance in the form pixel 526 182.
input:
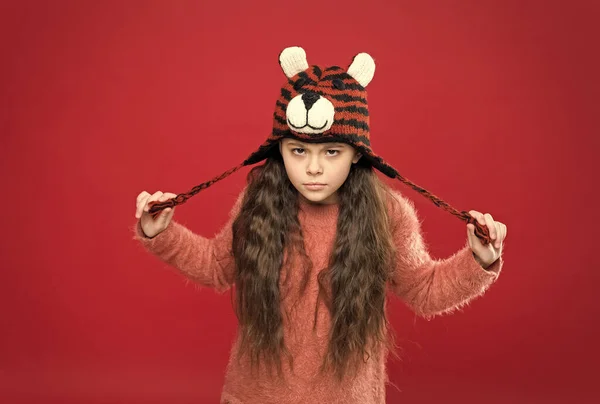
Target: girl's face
pixel 322 163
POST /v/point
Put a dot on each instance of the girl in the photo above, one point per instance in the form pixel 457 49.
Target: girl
pixel 312 245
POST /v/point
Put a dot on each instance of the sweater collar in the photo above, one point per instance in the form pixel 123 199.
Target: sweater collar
pixel 321 212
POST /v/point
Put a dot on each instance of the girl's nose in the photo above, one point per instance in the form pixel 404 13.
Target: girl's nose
pixel 314 167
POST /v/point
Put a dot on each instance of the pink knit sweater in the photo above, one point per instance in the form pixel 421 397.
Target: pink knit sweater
pixel 429 287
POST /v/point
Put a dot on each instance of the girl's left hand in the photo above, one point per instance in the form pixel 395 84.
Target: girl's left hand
pixel 486 255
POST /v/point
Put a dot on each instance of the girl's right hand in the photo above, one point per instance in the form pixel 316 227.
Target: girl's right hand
pixel 151 226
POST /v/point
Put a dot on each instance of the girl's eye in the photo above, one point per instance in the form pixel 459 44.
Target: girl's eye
pixel 295 150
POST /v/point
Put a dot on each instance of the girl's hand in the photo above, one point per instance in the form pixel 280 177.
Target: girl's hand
pixel 150 226
pixel 486 255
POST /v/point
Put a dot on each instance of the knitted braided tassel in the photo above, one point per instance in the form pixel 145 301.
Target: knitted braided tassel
pixel 155 207
pixel 481 231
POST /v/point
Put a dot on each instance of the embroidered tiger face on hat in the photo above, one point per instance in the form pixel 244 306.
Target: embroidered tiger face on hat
pixel 324 104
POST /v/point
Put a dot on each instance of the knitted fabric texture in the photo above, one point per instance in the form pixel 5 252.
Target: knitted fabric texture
pixel 429 287
pixel 324 104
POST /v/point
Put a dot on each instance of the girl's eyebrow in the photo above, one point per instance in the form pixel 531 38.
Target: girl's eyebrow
pixel 324 145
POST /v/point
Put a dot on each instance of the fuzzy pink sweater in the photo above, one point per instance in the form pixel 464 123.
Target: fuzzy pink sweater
pixel 429 287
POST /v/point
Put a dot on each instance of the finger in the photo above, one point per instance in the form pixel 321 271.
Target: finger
pixel 479 217
pixel 138 204
pixel 141 205
pixel 470 228
pixel 471 235
pixel 475 244
pixel 489 222
pixel 141 195
pixel 166 216
pixel 475 213
pixel 155 196
pixel 498 243
pixel 145 202
pixel 152 198
pixel 162 198
pixel 502 229
pixel 481 220
pixel 168 196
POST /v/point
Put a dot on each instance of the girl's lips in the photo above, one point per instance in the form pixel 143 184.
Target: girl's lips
pixel 315 187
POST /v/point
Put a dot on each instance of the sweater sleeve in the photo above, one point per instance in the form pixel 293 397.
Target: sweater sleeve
pixel 206 261
pixel 428 286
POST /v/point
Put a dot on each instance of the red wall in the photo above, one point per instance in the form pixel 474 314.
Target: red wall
pixel 491 105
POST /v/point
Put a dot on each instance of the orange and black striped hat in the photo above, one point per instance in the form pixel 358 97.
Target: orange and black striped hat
pixel 324 104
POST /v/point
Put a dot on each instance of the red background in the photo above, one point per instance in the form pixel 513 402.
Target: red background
pixel 491 105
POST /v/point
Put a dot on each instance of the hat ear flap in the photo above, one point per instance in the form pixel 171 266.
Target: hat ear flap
pixel 293 61
pixel 362 68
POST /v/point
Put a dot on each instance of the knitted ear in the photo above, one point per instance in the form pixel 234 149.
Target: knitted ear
pixel 293 61
pixel 362 68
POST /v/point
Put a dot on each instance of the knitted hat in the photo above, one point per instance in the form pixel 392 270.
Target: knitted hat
pixel 324 104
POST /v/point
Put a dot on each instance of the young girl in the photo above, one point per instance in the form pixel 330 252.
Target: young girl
pixel 312 245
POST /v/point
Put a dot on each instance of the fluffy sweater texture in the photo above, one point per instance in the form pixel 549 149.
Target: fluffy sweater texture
pixel 428 286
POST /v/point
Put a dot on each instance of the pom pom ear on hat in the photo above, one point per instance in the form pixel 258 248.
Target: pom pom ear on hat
pixel 362 68
pixel 293 61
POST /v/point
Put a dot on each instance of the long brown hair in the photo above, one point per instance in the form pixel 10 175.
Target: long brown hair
pixel 353 285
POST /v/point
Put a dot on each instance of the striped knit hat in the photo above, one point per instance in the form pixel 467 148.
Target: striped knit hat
pixel 324 104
